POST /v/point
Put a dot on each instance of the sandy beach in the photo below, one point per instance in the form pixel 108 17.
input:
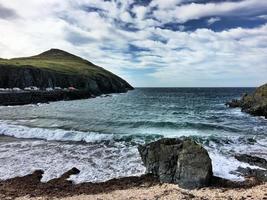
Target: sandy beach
pixel 143 187
pixel 168 191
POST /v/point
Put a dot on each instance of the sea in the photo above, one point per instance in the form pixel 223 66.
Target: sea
pixel 100 136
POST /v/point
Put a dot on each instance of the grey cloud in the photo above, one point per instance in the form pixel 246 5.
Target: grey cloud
pixel 7 13
pixel 76 38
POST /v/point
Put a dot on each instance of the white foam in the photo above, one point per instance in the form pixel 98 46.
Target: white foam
pixel 173 133
pixel 262 117
pixel 97 162
pixel 224 166
pixel 19 131
pixel 236 112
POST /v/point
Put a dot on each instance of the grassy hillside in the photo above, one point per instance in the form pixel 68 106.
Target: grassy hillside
pixel 58 61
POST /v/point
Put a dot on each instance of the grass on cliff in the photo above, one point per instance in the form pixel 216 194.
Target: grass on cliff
pixel 58 61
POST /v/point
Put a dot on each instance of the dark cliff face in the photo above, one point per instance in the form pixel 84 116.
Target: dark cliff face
pixel 11 77
pixel 24 75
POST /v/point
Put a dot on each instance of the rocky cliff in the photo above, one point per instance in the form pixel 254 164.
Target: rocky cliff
pixel 255 103
pixel 57 68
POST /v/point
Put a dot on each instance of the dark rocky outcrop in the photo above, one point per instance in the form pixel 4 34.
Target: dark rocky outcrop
pixel 183 162
pixel 61 187
pixel 255 103
pixel 235 103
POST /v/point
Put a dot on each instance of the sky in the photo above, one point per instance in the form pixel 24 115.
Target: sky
pixel 150 43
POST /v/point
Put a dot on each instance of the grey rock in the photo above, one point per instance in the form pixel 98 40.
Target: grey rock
pixel 234 103
pixel 259 174
pixel 252 160
pixel 183 162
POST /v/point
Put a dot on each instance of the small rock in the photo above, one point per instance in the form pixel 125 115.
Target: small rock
pixel 252 160
pixel 259 174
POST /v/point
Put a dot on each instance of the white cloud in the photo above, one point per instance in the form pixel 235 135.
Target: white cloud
pixel 140 12
pixel 236 57
pixel 186 12
pixel 262 16
pixel 126 17
pixel 213 20
pixel 206 56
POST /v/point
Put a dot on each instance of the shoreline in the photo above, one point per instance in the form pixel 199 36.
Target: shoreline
pixel 34 97
pixel 40 96
pixel 20 98
pixel 145 186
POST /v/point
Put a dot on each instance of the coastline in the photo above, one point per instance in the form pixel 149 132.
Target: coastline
pixel 143 187
pixel 41 96
pixel 34 97
pixel 168 192
pixel 128 187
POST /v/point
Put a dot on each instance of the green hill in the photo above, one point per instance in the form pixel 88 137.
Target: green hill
pixel 58 68
pixel 59 61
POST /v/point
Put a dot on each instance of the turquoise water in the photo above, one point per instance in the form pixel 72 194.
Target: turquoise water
pixel 100 135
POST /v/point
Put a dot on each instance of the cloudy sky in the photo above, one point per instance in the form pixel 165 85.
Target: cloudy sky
pixel 180 43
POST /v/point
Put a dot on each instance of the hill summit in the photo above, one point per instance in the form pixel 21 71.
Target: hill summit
pixel 57 54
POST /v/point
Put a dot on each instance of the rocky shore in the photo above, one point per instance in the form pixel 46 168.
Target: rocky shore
pixel 176 169
pixel 34 97
pixel 144 187
pixel 254 104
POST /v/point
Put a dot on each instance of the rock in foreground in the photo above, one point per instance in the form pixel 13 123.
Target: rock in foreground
pixel 255 104
pixel 183 162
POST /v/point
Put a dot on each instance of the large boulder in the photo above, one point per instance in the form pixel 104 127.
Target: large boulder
pixel 180 161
